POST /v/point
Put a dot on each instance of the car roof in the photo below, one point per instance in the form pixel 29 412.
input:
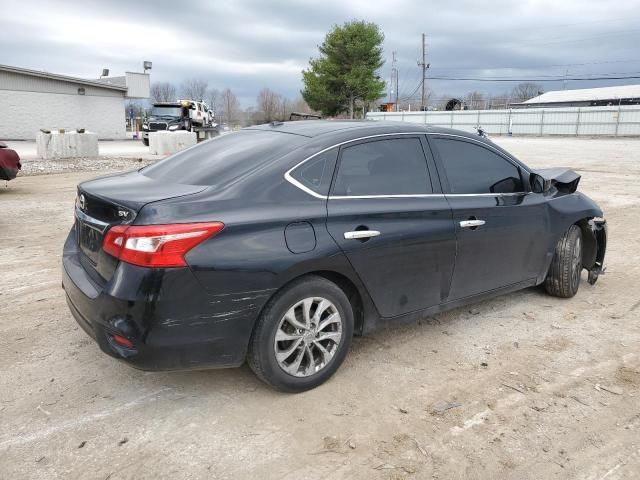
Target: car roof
pixel 317 128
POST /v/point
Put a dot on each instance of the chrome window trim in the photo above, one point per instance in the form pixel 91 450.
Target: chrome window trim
pixel 498 152
pixel 414 195
pixel 304 188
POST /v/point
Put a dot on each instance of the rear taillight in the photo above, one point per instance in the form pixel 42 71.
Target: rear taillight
pixel 157 245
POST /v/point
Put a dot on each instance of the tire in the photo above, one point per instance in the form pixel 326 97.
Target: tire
pixel 145 142
pixel 563 278
pixel 316 352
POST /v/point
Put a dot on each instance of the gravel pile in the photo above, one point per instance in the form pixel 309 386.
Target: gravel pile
pixel 46 167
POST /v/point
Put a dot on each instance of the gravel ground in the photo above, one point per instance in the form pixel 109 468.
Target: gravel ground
pixel 524 386
pixel 115 155
pixel 45 167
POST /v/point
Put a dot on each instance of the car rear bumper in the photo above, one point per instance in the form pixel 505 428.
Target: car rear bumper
pixel 164 313
pixel 7 173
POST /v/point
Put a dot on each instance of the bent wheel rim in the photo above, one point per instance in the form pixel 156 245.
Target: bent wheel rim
pixel 576 261
pixel 308 336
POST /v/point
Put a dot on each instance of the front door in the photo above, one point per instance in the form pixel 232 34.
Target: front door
pixel 393 223
pixel 500 227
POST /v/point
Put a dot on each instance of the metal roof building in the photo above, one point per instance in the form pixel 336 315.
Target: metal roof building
pixel 31 100
pixel 586 97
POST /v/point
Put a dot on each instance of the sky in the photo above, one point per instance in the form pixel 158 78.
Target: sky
pixel 247 45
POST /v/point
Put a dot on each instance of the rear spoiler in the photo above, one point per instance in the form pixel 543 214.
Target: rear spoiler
pixel 564 179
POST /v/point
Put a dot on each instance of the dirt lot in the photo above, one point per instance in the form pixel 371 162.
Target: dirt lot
pixel 524 386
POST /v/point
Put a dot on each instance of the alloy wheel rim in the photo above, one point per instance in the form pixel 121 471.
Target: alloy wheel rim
pixel 576 261
pixel 308 336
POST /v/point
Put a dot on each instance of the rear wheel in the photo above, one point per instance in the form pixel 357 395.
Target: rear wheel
pixel 563 278
pixel 302 336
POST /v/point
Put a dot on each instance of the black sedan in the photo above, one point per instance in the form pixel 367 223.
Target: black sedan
pixel 278 243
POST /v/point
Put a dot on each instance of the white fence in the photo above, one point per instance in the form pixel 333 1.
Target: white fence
pixel 576 121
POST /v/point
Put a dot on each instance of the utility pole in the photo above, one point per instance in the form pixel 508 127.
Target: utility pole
pixel 425 67
pixel 394 81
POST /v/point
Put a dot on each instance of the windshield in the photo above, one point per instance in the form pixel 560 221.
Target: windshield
pixel 224 159
pixel 165 111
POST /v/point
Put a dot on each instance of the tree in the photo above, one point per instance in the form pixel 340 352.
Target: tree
pixel 194 89
pixel 269 103
pixel 162 92
pixel 500 101
pixel 230 107
pixel 213 99
pixel 300 106
pixel 414 101
pixel 345 71
pixel 475 101
pixel 525 91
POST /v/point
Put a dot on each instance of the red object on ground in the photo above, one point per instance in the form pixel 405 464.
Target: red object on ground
pixel 9 163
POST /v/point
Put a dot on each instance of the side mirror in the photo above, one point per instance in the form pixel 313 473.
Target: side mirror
pixel 539 184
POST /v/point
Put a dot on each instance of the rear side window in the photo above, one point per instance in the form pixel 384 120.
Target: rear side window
pixel 224 159
pixel 316 173
pixel 383 167
pixel 472 168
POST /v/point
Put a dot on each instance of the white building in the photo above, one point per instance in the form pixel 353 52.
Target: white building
pixel 586 97
pixel 31 100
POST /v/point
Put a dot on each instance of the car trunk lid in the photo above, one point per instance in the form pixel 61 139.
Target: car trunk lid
pixel 115 200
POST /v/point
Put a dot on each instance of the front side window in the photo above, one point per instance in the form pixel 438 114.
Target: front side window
pixel 383 167
pixel 472 168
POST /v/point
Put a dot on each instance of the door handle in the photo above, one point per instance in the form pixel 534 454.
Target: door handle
pixel 472 223
pixel 360 234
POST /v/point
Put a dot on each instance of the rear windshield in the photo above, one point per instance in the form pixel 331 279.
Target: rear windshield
pixel 224 159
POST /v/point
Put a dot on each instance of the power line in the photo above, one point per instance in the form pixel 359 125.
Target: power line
pixel 414 78
pixel 412 93
pixel 531 67
pixel 553 79
pixel 560 25
pixel 594 37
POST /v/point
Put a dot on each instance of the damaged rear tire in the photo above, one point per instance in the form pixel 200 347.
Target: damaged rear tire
pixel 563 278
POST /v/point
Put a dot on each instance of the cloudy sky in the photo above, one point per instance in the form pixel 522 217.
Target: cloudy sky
pixel 250 44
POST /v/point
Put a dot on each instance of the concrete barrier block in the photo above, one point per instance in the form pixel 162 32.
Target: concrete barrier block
pixel 166 143
pixel 66 145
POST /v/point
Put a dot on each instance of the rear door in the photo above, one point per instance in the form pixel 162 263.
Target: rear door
pixel 500 226
pixel 388 215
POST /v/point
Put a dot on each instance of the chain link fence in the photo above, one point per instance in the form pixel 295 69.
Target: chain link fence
pixel 576 121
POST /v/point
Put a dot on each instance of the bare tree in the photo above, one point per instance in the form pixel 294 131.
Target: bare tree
pixel 525 91
pixel 414 102
pixel 499 101
pixel 300 106
pixel 284 109
pixel 162 92
pixel 213 99
pixel 230 107
pixel 250 117
pixel 269 104
pixel 475 101
pixel 194 89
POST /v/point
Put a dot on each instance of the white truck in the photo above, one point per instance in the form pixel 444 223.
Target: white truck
pixel 190 115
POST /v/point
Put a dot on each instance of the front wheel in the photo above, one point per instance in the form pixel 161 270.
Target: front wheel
pixel 563 278
pixel 302 336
